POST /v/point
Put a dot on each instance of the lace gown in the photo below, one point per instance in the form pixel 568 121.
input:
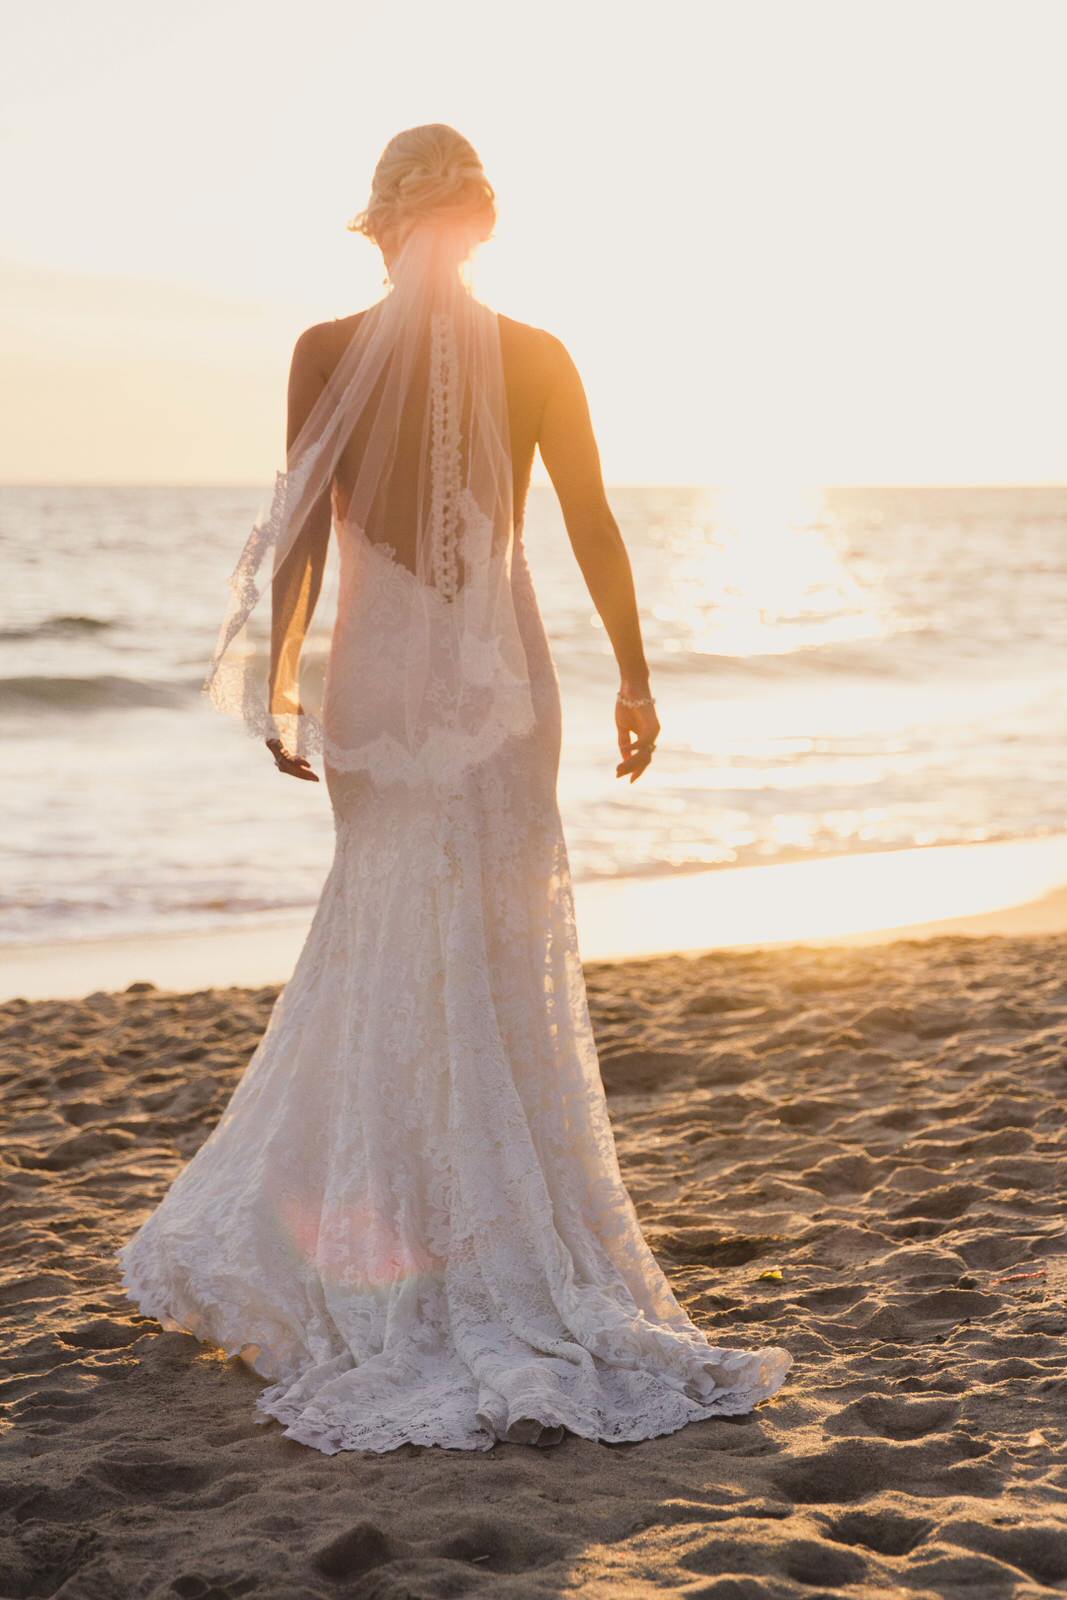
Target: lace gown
pixel 410 1217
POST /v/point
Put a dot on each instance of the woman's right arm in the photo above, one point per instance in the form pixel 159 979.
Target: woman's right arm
pixel 569 451
pixel 296 586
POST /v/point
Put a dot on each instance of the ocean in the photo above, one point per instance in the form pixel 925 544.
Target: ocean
pixel 836 671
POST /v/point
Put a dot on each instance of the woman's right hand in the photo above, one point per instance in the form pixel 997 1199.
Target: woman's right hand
pixel 638 729
pixel 295 766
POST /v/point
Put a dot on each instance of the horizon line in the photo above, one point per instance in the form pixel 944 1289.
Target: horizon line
pixel 648 483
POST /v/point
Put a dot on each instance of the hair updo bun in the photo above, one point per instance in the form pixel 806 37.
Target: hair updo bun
pixel 429 172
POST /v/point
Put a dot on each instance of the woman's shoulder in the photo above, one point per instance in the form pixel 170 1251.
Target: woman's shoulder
pixel 527 337
pixel 322 344
pixel 534 351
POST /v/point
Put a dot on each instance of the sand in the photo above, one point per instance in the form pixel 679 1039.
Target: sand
pixel 855 1153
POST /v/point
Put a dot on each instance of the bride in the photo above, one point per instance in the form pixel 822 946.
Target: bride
pixel 410 1218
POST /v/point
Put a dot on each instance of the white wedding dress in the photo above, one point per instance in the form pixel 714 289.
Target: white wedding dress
pixel 410 1217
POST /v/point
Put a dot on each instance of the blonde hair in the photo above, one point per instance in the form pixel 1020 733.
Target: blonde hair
pixel 428 171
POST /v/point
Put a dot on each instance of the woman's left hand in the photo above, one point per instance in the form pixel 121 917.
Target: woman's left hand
pixel 295 766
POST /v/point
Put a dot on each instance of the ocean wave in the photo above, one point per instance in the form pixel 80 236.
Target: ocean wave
pixel 102 692
pixel 901 654
pixel 758 854
pixel 58 627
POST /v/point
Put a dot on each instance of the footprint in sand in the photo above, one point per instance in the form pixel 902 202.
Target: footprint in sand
pixel 853 1468
pixel 499 1547
pixel 355 1551
pixel 101 1334
pixel 80 1148
pixel 810 1561
pixel 54 1405
pixel 79 1112
pixel 893 1418
pixel 193 1586
pixel 887 1533
pixel 699 1246
pixel 948 1202
pixel 153 1478
pixel 1039 1549
pixel 633 1071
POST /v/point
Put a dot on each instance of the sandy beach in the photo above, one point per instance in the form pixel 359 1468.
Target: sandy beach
pixel 686 408
pixel 852 1152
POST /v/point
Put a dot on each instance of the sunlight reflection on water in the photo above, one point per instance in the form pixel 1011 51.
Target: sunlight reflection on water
pixel 760 570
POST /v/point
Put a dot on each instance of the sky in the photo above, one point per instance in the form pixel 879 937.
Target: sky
pixel 814 241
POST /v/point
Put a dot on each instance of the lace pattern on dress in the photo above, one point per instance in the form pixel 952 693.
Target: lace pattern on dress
pixel 410 1217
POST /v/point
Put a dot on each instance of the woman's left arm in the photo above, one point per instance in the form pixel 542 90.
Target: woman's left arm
pixel 569 451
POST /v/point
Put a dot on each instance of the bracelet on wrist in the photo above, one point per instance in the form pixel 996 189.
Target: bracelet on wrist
pixel 644 700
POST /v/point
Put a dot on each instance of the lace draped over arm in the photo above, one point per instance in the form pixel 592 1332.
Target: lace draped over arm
pixel 297 582
pixel 295 591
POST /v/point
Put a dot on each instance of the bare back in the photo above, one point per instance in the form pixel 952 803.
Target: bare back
pixel 547 409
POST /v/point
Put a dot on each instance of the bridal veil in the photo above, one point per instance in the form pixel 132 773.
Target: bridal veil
pixel 407 451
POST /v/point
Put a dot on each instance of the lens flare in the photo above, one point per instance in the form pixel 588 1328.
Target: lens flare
pixel 353 1245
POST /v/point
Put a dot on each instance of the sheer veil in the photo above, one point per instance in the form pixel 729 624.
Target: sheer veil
pixel 407 452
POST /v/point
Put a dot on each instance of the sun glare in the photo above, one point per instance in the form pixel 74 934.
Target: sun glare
pixel 769 580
